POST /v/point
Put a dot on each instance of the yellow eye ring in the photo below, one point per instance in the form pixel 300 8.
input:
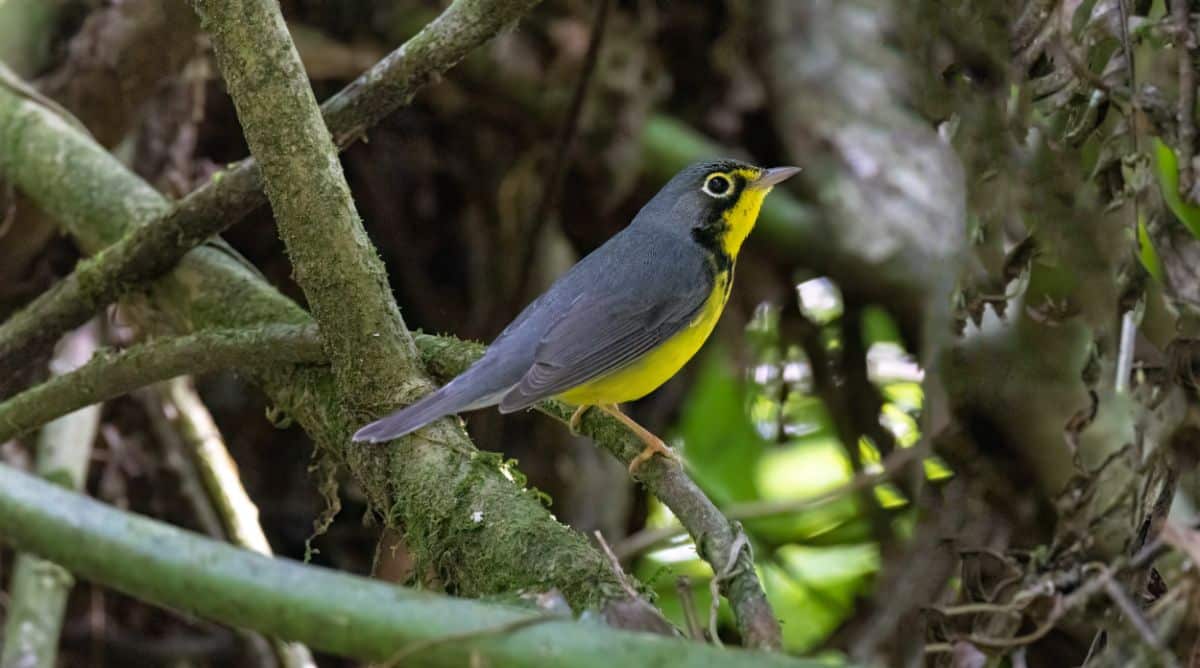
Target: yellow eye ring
pixel 718 185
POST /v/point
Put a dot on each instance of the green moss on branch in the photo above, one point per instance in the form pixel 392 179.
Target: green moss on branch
pixel 110 375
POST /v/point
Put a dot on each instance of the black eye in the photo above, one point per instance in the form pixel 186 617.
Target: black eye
pixel 717 185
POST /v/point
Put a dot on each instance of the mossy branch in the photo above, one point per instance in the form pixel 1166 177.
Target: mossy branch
pixel 334 262
pixel 110 375
pixel 330 611
pixel 153 249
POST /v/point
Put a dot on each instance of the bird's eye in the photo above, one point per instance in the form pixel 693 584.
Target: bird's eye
pixel 717 185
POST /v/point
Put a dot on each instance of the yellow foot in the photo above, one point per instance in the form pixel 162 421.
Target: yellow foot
pixel 576 418
pixel 654 444
pixel 652 448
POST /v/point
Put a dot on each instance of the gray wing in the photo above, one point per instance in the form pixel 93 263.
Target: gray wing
pixel 600 333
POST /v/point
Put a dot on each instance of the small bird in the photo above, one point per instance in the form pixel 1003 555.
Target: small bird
pixel 624 319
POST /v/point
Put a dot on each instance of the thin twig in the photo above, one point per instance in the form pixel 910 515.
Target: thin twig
pixel 648 539
pixel 1010 608
pixel 627 583
pixel 1078 68
pixel 683 587
pixel 714 586
pixel 615 564
pixel 1056 613
pixel 500 629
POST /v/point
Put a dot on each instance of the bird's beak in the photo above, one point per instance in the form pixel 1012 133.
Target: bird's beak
pixel 774 176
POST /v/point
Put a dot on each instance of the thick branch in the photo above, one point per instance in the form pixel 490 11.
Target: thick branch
pixel 333 260
pixel 334 612
pixel 110 375
pixel 154 248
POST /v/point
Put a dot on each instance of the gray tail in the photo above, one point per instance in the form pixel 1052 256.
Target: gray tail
pixel 450 398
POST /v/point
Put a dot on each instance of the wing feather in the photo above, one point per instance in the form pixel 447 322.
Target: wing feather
pixel 599 334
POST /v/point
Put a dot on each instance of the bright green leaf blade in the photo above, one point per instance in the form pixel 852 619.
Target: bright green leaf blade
pixel 721 446
pixel 1146 252
pixel 1167 166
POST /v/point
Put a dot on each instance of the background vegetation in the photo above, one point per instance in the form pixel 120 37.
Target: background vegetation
pixel 949 417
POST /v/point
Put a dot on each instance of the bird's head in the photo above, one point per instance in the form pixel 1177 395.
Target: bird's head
pixel 716 202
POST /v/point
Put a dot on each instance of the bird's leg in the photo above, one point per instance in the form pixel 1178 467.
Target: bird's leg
pixel 576 417
pixel 654 444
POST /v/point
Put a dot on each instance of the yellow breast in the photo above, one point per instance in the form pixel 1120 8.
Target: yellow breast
pixel 654 368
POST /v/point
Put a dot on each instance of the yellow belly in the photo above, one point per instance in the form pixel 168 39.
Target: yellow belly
pixel 654 368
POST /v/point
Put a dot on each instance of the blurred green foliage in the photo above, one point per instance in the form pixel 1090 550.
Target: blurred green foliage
pixel 759 434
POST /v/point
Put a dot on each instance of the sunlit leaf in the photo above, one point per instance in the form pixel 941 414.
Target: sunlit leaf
pixel 907 397
pixel 878 327
pixel 937 469
pixel 1147 253
pixel 1167 165
pixel 722 447
pixel 818 586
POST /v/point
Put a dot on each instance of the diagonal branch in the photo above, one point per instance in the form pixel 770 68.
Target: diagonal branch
pixel 342 277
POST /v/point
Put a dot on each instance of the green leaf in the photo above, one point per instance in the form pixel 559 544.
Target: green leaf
pixel 1168 182
pixel 721 446
pixel 813 589
pixel 879 326
pixel 1146 252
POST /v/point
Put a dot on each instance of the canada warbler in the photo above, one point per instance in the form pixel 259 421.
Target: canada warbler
pixel 625 318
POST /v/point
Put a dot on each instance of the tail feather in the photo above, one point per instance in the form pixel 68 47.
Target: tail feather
pixel 450 398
